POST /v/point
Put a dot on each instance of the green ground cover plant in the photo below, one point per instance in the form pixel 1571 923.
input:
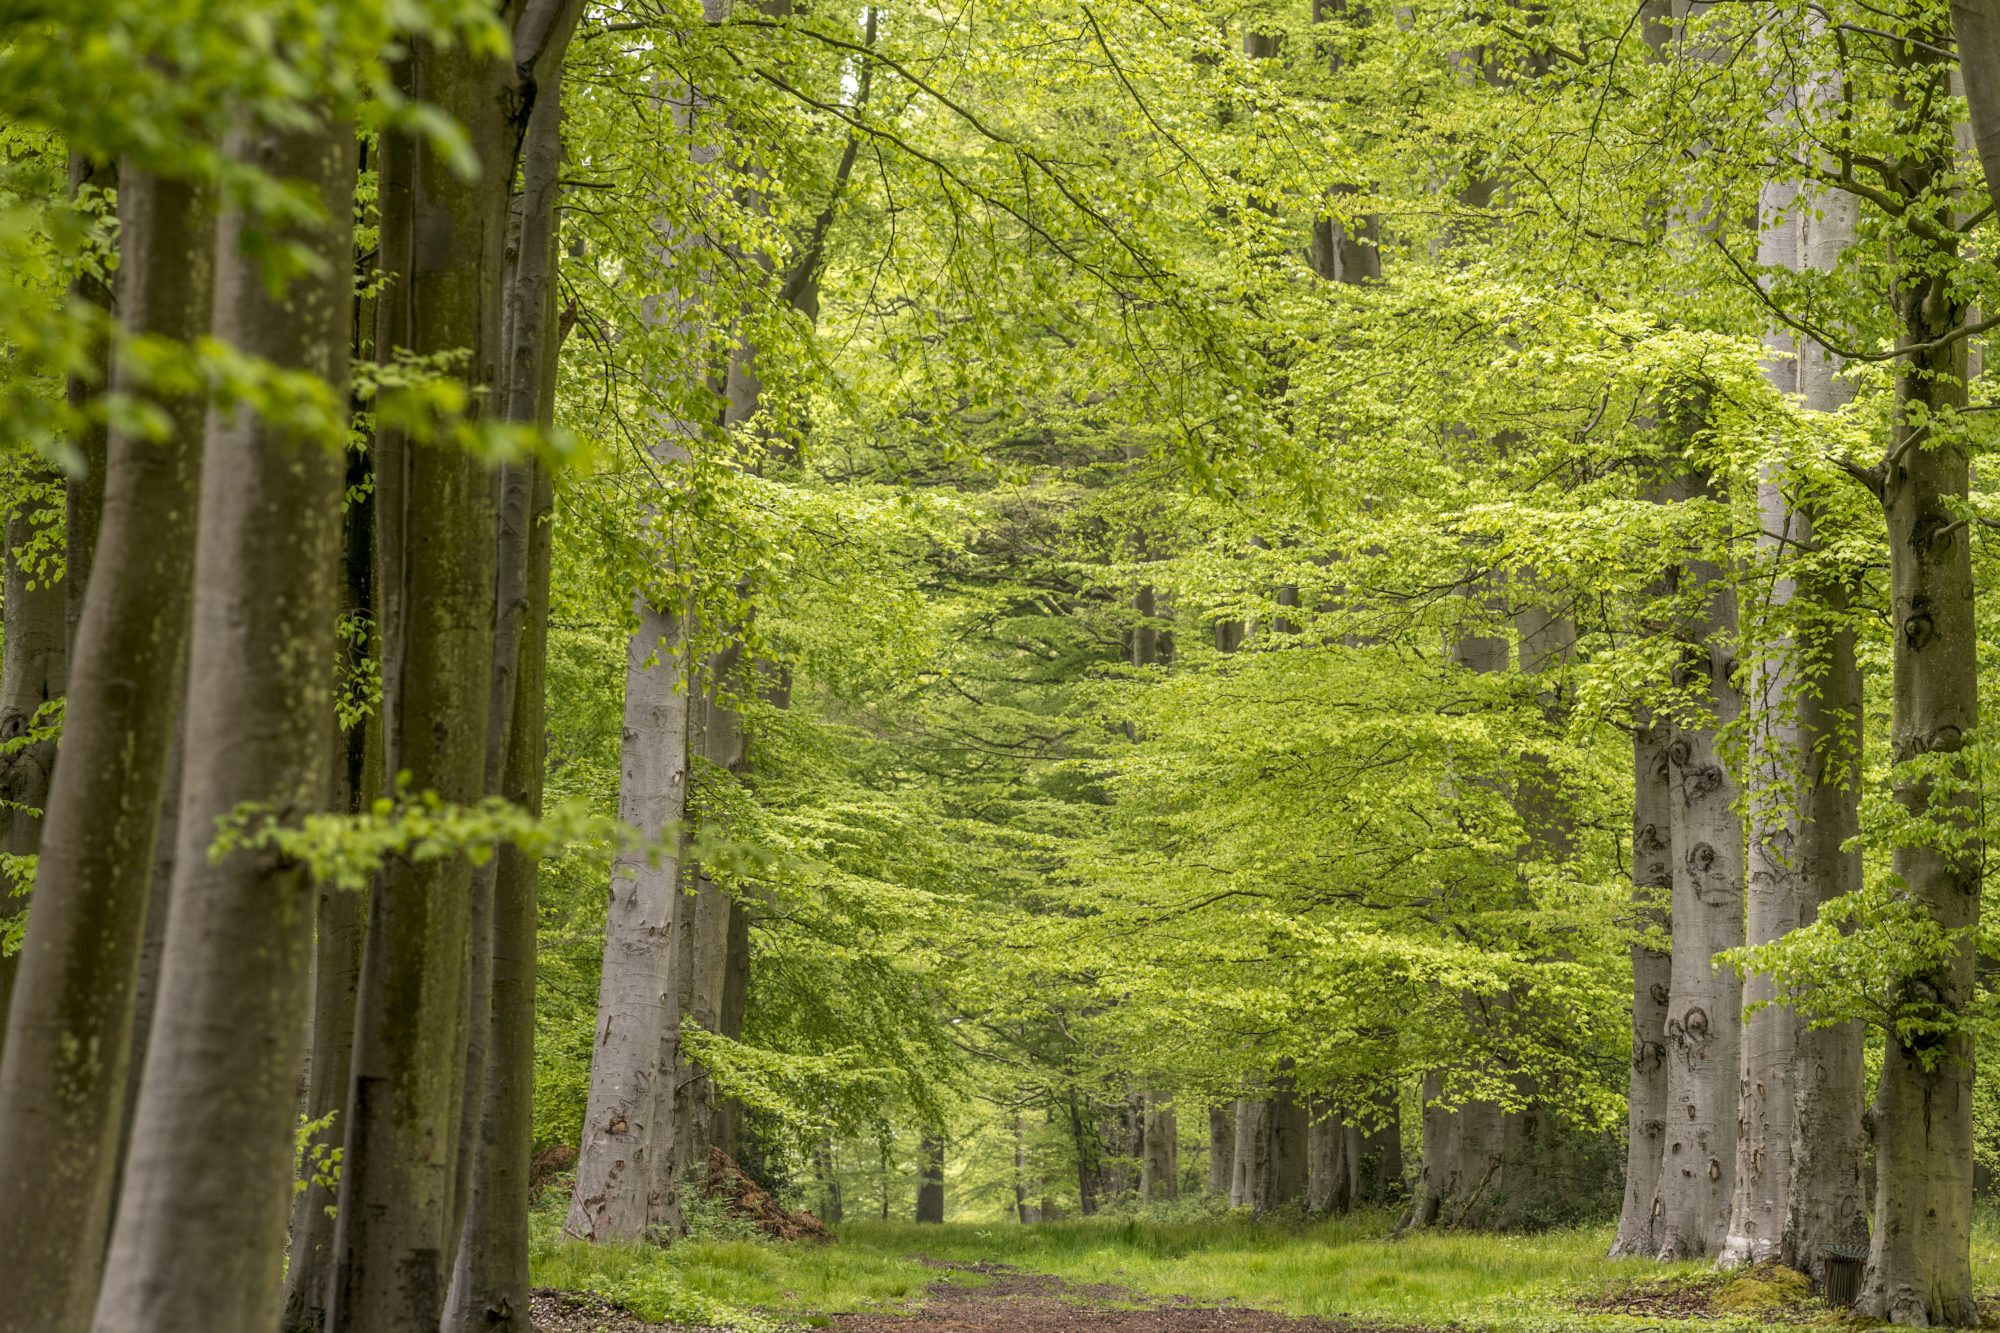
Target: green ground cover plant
pixel 1351 1267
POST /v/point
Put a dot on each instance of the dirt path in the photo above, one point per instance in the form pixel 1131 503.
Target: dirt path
pixel 1010 1300
pixel 1038 1303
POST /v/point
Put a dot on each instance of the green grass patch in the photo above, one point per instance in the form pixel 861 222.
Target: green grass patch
pixel 727 1280
pixel 1347 1267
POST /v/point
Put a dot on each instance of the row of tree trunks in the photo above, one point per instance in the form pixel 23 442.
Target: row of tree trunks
pixel 1270 1155
pixel 489 1288
pixel 200 1236
pixel 1329 1185
pixel 64 1065
pixel 441 254
pixel 209 1138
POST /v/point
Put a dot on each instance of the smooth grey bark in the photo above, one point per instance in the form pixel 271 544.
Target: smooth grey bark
pixel 515 485
pixel 1249 1156
pixel 1289 1122
pixel 1919 1263
pixel 1827 1207
pixel 628 1114
pixel 1487 1137
pixel 153 944
pixel 63 1071
pixel 442 256
pixel 1221 1147
pixel 1438 1171
pixel 35 671
pixel 1976 34
pixel 527 323
pixel 1328 1184
pixel 1698 1166
pixel 515 490
pixel 663 1211
pixel 930 1177
pixel 490 1283
pixel 1652 976
pixel 717 737
pixel 1765 1117
pixel 200 1237
pixel 490 1279
pixel 1159 1167
pixel 1270 1153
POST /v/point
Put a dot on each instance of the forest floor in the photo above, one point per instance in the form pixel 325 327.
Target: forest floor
pixel 1217 1275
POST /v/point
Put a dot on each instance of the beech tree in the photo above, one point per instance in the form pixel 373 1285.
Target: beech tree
pixel 1380 573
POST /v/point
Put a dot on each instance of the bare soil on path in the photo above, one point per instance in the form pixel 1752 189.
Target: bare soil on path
pixel 1009 1300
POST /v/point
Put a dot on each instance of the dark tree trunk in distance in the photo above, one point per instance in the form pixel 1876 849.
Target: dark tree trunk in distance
pixel 930 1181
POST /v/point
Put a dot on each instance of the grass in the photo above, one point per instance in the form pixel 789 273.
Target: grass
pixel 724 1276
pixel 1344 1267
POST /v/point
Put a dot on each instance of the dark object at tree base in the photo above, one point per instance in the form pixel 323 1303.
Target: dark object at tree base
pixel 746 1198
pixel 1843 1275
pixel 551 1162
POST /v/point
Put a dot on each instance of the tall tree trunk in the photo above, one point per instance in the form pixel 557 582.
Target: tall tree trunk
pixel 490 1286
pixel 628 1116
pixel 62 1075
pixel 1221 1147
pixel 338 933
pixel 1270 1154
pixel 1919 1263
pixel 1250 1157
pixel 1290 1124
pixel 1827 1207
pixel 1437 1176
pixel 442 258
pixel 1159 1172
pixel 200 1237
pixel 25 775
pixel 1328 1182
pixel 1465 1146
pixel 1705 1006
pixel 717 737
pixel 1025 1211
pixel 1375 1155
pixel 490 1282
pixel 83 499
pixel 930 1179
pixel 153 944
pixel 1765 1116
pixel 1652 977
pixel 35 671
pixel 735 1002
pixel 1976 33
